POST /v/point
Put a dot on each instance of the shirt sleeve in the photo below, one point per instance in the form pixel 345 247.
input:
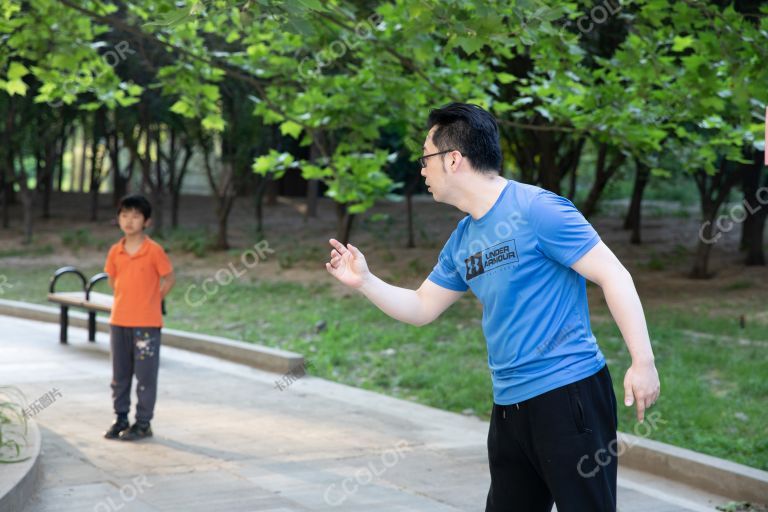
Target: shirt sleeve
pixel 109 265
pixel 162 263
pixel 445 273
pixel 562 232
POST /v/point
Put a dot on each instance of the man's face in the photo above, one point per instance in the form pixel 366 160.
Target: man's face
pixel 131 221
pixel 435 175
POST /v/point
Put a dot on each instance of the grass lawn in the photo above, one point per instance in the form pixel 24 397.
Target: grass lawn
pixel 714 387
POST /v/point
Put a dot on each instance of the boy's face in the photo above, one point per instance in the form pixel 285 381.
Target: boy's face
pixel 131 221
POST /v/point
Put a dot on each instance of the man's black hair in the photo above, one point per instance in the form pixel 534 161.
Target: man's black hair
pixel 469 130
pixel 135 202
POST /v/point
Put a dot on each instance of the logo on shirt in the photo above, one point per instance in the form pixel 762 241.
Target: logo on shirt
pixel 491 258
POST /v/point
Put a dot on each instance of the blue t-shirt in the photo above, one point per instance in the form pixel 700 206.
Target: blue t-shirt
pixel 516 259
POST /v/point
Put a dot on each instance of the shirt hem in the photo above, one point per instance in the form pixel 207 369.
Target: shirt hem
pixel 557 384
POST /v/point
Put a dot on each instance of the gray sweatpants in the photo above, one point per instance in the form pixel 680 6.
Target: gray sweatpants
pixel 135 350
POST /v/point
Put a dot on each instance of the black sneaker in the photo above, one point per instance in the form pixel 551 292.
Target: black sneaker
pixel 136 432
pixel 117 428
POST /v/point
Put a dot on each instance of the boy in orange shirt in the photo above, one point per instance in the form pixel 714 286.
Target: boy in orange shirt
pixel 141 276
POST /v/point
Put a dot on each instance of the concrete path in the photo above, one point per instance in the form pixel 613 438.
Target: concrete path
pixel 228 439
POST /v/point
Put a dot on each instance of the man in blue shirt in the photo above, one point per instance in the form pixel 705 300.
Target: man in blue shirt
pixel 525 253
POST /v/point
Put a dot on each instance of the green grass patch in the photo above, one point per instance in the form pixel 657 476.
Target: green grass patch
pixel 82 238
pixel 28 250
pixel 713 390
pixel 197 241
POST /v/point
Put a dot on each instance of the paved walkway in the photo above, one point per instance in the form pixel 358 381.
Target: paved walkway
pixel 227 439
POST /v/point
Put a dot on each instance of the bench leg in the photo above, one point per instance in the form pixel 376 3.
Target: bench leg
pixel 64 323
pixel 92 326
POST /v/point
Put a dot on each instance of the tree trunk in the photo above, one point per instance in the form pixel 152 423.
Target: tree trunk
pixel 173 178
pixel 713 191
pixel 158 187
pixel 50 166
pixel 97 160
pixel 8 177
pixel 119 183
pixel 313 188
pixel 8 172
pixel 603 173
pixel 81 181
pixel 65 135
pixel 756 206
pixel 262 183
pixel 223 190
pixel 700 268
pixel 549 173
pixel 3 191
pixel 40 162
pixel 570 164
pixel 158 206
pixel 27 199
pixel 344 225
pixel 177 182
pixel 572 184
pixel 95 173
pixel 225 199
pixel 272 193
pixel 633 219
pixel 222 214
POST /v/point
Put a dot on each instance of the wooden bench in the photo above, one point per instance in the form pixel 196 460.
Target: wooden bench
pixel 92 302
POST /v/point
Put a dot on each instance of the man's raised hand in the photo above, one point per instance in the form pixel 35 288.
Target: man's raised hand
pixel 347 264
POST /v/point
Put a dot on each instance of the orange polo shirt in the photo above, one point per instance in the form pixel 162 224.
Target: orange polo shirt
pixel 137 283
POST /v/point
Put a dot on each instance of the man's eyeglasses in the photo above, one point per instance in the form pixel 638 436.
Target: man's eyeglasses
pixel 423 159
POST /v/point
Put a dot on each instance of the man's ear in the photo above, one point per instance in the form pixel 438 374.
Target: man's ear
pixel 453 163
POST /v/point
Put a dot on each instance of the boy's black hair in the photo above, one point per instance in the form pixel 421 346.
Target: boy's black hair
pixel 136 202
pixel 469 130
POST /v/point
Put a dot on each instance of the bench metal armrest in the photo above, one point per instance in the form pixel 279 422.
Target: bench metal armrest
pixel 92 282
pixel 60 272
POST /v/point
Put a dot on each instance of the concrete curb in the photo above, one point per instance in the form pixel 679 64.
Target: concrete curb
pixel 257 356
pixel 19 480
pixel 714 475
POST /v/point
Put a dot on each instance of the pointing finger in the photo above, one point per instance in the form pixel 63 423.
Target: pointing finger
pixel 337 245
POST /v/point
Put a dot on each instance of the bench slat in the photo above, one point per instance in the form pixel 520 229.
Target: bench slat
pixel 98 301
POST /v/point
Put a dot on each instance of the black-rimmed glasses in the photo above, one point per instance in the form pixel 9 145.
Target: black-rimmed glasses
pixel 423 159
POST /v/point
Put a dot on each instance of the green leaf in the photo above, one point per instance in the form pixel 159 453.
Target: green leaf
pixel 682 43
pixel 182 108
pixel 210 91
pixel 291 128
pixel 213 122
pixel 16 87
pixel 17 70
pixel 312 4
pixel 125 101
pixel 506 78
pixel 262 165
pixel 135 90
pixel 470 44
